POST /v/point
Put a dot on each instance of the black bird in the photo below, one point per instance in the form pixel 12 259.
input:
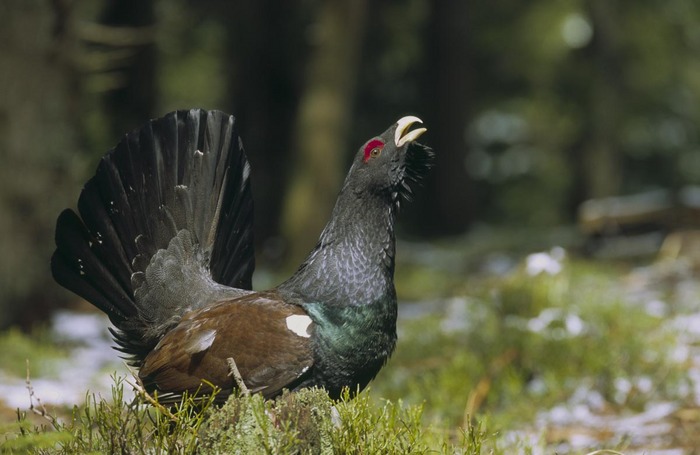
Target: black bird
pixel 163 245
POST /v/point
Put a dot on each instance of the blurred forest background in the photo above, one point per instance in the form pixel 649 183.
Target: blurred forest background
pixel 532 107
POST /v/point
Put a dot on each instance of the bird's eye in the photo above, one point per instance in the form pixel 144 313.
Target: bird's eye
pixel 373 149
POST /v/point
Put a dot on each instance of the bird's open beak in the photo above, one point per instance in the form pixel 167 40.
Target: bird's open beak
pixel 402 135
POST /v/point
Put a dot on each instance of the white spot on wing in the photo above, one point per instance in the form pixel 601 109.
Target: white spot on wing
pixel 200 342
pixel 299 324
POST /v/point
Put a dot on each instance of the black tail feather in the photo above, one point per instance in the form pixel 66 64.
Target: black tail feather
pixel 166 217
pixel 95 214
pixel 80 267
pixel 236 205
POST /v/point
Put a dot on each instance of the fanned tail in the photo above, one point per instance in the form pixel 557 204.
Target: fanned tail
pixel 164 227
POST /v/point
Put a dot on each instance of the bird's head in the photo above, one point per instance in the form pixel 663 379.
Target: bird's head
pixel 386 164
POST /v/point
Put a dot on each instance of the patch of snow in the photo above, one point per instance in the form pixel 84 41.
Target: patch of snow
pixel 557 324
pixel 88 366
pixel 657 308
pixel 545 262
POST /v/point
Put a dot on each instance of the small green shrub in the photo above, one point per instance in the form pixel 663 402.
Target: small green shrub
pixel 305 422
pixel 112 426
pixel 309 422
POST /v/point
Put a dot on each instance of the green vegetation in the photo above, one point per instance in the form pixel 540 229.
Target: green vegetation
pixel 513 346
pixel 474 372
pixel 304 422
pixel 17 347
pixel 111 426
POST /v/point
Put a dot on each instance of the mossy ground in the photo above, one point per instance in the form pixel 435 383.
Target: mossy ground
pixel 306 422
pixel 481 363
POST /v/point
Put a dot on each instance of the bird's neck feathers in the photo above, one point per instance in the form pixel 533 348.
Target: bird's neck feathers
pixel 353 262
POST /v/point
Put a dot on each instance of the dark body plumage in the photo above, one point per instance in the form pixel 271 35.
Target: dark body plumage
pixel 163 245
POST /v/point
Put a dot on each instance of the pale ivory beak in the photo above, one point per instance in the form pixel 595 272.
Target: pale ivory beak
pixel 402 126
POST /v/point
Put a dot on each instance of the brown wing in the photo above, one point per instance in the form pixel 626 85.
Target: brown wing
pixel 268 339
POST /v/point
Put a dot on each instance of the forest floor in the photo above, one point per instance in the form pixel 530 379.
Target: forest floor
pixel 541 350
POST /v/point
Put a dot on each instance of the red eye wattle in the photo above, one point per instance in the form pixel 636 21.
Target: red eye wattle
pixel 373 148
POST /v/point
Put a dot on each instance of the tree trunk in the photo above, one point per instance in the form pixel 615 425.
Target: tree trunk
pixel 266 52
pixel 447 207
pixel 323 123
pixel 131 96
pixel 602 170
pixel 39 151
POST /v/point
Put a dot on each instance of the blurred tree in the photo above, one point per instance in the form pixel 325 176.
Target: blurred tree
pixel 39 151
pixel 126 61
pixel 447 94
pixel 265 55
pixel 600 152
pixel 323 123
pixel 579 98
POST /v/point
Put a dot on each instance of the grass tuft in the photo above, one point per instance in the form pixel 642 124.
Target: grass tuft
pixel 111 426
pixel 306 422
